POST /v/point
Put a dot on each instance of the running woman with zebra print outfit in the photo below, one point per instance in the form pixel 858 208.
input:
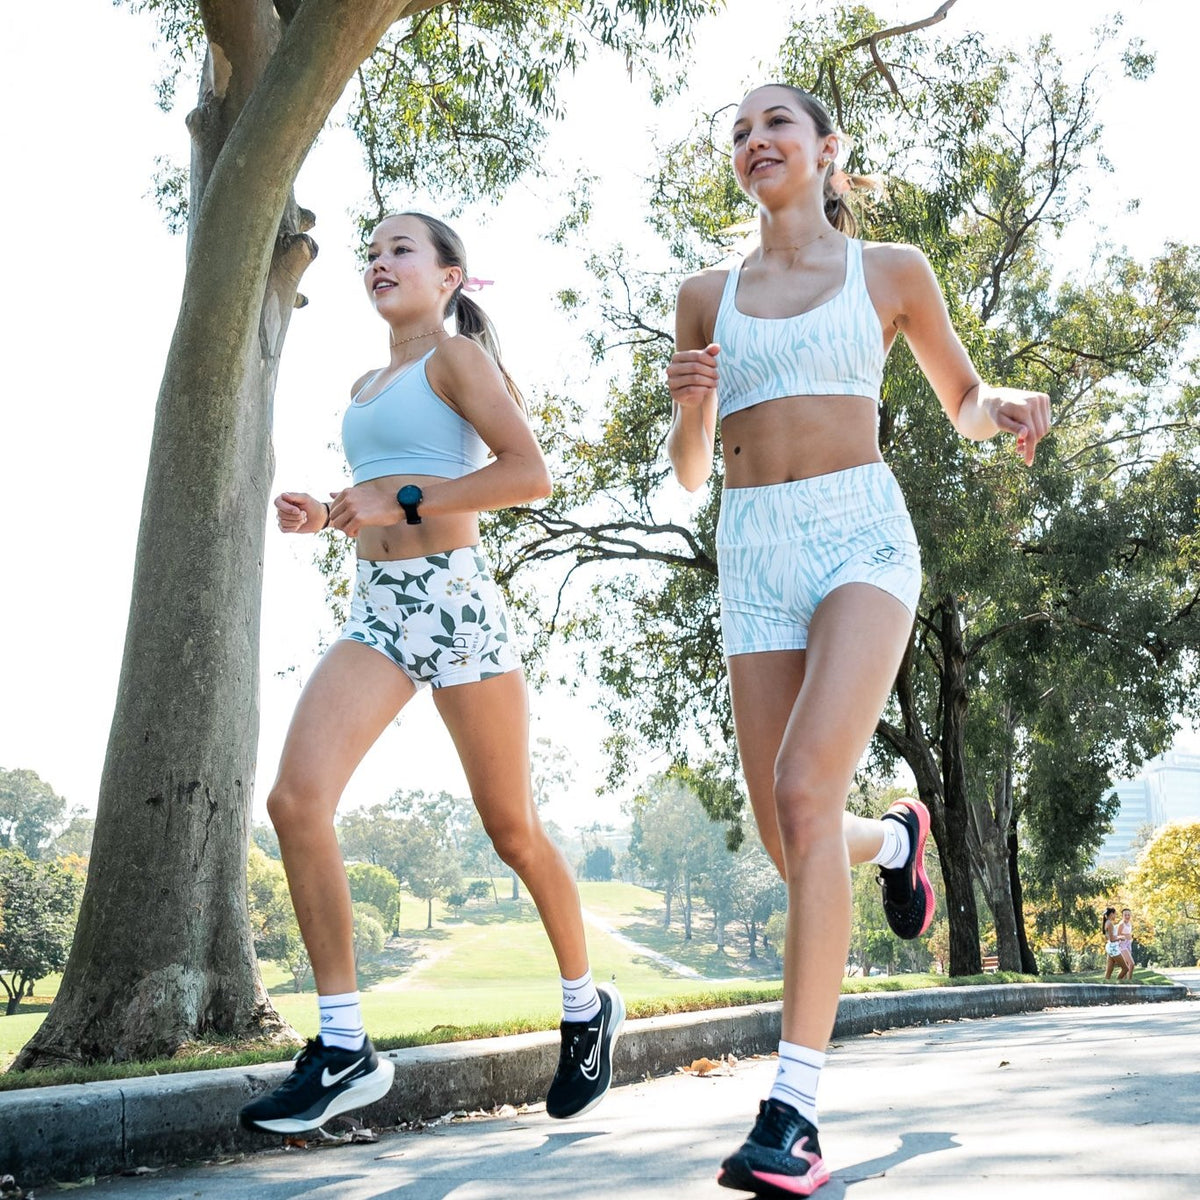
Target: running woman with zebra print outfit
pixel 819 567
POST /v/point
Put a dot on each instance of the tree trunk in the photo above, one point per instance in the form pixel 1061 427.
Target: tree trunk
pixel 1029 965
pixel 687 906
pixel 516 886
pixel 719 932
pixel 941 788
pixel 667 917
pixel 953 849
pixel 163 951
pixel 752 931
pixel 429 914
pixel 987 833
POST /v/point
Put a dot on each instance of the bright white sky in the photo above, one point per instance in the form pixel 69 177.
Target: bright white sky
pixel 94 281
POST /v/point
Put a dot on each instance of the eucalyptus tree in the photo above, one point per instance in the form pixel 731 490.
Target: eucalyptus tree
pixel 459 93
pixel 1059 604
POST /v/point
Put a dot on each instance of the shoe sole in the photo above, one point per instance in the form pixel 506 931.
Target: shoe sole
pixel 359 1094
pixel 770 1186
pixel 922 815
pixel 615 1025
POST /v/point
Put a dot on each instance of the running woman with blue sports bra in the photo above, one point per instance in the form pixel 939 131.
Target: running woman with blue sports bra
pixel 818 566
pixel 433 439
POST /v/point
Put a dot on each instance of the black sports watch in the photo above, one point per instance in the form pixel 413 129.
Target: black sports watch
pixel 409 498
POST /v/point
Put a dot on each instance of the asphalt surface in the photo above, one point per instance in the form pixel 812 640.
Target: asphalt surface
pixel 1065 1103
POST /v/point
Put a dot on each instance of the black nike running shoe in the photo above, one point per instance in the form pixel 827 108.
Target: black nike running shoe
pixel 325 1081
pixel 585 1060
pixel 908 901
pixel 780 1158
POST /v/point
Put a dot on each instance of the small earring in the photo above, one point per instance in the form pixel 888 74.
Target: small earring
pixel 822 163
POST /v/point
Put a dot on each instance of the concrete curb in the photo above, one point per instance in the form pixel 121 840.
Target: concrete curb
pixel 67 1133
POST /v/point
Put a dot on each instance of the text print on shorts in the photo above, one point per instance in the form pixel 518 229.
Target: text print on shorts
pixel 441 619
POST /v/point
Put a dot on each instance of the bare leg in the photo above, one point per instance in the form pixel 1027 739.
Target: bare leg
pixel 856 641
pixel 489 722
pixel 760 719
pixel 349 700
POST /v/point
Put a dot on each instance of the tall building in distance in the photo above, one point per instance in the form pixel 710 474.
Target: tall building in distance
pixel 1168 789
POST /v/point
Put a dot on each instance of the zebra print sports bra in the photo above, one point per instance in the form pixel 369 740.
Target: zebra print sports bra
pixel 835 349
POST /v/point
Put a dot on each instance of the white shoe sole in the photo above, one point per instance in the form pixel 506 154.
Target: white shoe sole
pixel 618 1020
pixel 359 1094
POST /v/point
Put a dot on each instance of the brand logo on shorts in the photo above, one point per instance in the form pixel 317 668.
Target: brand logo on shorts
pixel 882 556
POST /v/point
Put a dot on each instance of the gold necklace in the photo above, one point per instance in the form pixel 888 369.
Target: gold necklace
pixel 776 249
pixel 415 337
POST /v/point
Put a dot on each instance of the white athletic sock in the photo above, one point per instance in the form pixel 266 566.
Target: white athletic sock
pixel 341 1021
pixel 797 1078
pixel 894 851
pixel 580 1000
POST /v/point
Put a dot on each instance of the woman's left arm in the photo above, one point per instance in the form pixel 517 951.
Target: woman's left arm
pixel 462 373
pixel 976 409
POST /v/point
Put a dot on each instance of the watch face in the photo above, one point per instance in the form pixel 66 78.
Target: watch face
pixel 409 494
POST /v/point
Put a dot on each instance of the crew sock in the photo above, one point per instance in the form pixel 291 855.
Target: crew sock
pixel 341 1021
pixel 580 1000
pixel 797 1077
pixel 894 851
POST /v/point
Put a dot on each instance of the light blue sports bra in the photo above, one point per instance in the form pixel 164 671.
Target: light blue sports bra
pixel 408 429
pixel 835 349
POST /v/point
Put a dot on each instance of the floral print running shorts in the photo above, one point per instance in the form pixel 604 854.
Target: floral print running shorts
pixel 441 619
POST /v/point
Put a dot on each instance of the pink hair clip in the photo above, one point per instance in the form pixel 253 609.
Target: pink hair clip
pixel 476 285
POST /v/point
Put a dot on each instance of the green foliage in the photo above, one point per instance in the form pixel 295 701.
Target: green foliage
pixel 272 918
pixel 369 933
pixel 37 921
pixel 1166 878
pixel 30 810
pixel 376 886
pixel 460 96
pixel 1058 610
pixel 598 864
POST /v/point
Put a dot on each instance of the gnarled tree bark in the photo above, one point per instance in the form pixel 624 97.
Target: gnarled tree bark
pixel 163 951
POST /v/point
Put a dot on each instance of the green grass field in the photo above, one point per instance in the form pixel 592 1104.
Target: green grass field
pixel 491 967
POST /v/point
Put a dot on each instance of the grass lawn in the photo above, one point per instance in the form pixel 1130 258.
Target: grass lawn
pixel 489 970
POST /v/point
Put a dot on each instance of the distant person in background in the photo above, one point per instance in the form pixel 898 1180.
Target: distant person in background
pixel 1125 942
pixel 433 438
pixel 1112 948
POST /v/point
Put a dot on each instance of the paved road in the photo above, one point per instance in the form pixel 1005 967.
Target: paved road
pixel 1061 1105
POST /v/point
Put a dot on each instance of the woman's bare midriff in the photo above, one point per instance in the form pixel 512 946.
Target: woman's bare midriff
pixel 434 535
pixel 797 437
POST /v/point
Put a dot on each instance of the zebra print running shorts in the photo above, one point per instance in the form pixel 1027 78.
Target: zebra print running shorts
pixel 781 549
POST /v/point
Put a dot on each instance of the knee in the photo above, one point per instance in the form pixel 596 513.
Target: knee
pixel 290 811
pixel 515 841
pixel 807 809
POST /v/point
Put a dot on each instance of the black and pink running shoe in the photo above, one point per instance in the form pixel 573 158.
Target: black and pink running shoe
pixel 908 900
pixel 780 1158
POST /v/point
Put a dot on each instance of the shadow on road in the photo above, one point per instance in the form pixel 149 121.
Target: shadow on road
pixel 912 1145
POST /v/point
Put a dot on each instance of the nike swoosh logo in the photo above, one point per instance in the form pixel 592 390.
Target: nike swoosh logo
pixel 590 1067
pixel 328 1080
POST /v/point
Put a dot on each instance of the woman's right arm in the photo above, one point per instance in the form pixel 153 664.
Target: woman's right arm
pixel 692 378
pixel 298 512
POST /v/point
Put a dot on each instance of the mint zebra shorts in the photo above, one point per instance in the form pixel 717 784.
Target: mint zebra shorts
pixel 441 619
pixel 781 549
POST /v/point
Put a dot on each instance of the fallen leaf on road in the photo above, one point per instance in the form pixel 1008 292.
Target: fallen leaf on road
pixel 1005 1063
